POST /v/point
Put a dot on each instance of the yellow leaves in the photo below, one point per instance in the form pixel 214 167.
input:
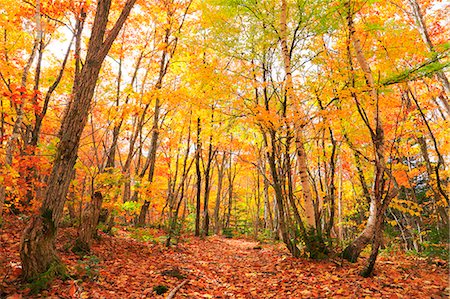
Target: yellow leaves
pixel 392 222
pixel 251 274
pixel 406 206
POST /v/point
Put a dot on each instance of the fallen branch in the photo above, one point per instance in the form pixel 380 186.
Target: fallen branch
pixel 176 289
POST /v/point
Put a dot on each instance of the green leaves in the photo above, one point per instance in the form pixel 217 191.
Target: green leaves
pixel 427 68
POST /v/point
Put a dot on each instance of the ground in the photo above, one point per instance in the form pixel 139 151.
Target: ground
pixel 122 267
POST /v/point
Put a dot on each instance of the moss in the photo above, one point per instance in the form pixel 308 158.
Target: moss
pixel 88 268
pixel 80 248
pixel 43 280
pixel 350 254
pixel 227 232
pixel 160 289
pixel 315 245
pixel 174 272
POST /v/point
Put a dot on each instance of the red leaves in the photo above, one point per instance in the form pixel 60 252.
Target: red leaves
pixel 73 289
pixel 218 268
pixel 15 296
pixel 17 94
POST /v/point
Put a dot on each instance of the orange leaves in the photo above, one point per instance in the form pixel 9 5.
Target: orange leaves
pixel 267 118
pixel 73 289
pixel 217 267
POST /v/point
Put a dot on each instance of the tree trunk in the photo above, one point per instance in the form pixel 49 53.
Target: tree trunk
pixel 166 56
pixel 71 207
pixel 143 213
pixel 89 224
pixel 268 218
pixel 220 175
pixel 382 193
pixel 151 159
pixel 376 242
pixel 306 188
pixel 279 197
pixel 331 188
pixel 37 243
pixel 354 249
pixel 174 227
pixel 258 205
pixel 339 222
pixel 199 179
pixel 211 154
pixel 299 140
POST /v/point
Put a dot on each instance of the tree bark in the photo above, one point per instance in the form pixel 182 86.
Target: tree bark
pixel 381 193
pixel 354 249
pixel 89 224
pixel 199 179
pixel 299 140
pixel 220 176
pixel 306 188
pixel 211 154
pixel 376 243
pixel 37 249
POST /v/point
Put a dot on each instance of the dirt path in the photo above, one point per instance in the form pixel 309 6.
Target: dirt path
pixel 224 268
pixel 121 267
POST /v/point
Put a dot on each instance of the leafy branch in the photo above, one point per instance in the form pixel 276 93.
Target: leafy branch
pixel 424 69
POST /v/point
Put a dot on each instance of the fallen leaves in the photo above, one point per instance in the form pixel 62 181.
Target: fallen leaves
pixel 219 268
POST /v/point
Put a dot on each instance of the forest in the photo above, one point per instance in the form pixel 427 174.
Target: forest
pixel 224 149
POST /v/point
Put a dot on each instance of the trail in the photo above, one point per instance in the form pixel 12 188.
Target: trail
pixel 216 267
pixel 234 268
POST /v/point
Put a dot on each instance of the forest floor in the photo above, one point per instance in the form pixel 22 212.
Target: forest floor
pixel 122 267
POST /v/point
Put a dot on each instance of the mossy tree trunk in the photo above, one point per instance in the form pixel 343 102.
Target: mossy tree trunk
pixel 37 250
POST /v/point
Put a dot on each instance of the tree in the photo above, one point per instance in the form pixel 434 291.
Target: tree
pixel 37 243
pixel 198 173
pixel 384 187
